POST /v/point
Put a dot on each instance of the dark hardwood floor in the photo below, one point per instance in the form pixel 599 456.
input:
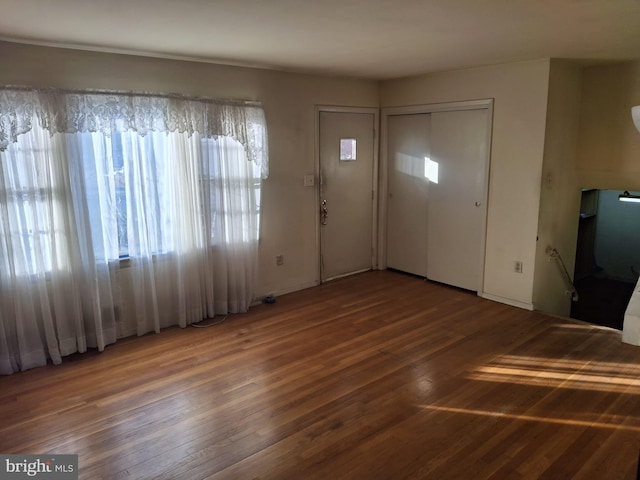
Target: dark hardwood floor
pixel 377 376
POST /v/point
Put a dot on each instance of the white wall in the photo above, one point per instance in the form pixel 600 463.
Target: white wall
pixel 289 208
pixel 560 189
pixel 520 93
pixel 609 144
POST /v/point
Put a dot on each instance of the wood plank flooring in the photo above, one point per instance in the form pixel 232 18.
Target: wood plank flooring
pixel 377 376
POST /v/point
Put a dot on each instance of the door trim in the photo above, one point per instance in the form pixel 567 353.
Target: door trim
pixel 482 104
pixel 375 225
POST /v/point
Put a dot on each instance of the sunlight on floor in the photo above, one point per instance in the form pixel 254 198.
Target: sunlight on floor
pixel 578 326
pixel 532 418
pixel 561 373
pixel 543 372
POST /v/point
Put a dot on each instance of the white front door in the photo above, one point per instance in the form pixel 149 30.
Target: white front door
pixel 346 192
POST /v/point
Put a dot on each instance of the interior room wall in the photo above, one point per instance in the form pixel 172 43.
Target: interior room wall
pixel 520 93
pixel 288 207
pixel 559 191
pixel 529 160
pixel 609 144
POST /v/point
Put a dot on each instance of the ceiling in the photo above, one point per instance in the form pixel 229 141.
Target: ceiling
pixel 375 39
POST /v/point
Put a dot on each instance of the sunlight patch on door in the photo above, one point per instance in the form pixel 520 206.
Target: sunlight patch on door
pixel 431 170
pixel 417 167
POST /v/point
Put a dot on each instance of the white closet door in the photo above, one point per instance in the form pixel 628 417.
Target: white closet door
pixel 457 203
pixel 408 156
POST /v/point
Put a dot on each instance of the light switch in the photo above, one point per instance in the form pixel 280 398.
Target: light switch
pixel 309 180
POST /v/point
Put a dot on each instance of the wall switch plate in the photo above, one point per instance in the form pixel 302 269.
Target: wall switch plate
pixel 309 180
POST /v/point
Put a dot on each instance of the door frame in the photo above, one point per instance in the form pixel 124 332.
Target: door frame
pixel 375 111
pixel 482 104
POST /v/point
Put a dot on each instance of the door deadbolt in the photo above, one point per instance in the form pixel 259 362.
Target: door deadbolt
pixel 324 213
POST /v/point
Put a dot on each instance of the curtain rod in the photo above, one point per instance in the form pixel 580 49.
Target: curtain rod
pixel 177 96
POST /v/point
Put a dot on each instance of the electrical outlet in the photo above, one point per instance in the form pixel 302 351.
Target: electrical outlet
pixel 279 260
pixel 517 266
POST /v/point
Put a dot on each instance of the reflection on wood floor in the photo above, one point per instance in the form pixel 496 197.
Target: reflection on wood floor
pixel 380 375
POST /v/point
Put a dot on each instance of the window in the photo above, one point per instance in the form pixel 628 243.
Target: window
pixel 87 179
pixel 133 190
pixel 122 172
pixel 138 186
pixel 348 149
pixel 34 217
pixel 225 164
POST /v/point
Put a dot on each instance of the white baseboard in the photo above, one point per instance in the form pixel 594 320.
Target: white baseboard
pixel 507 301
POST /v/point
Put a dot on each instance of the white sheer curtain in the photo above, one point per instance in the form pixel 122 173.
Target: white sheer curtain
pixel 233 209
pixel 113 203
pixel 53 300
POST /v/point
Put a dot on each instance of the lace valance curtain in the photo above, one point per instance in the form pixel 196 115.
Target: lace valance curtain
pixel 63 111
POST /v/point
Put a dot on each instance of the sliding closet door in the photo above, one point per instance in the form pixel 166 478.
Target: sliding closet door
pixel 457 203
pixel 408 156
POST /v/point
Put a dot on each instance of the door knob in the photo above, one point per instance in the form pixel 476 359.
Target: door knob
pixel 478 204
pixel 324 213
